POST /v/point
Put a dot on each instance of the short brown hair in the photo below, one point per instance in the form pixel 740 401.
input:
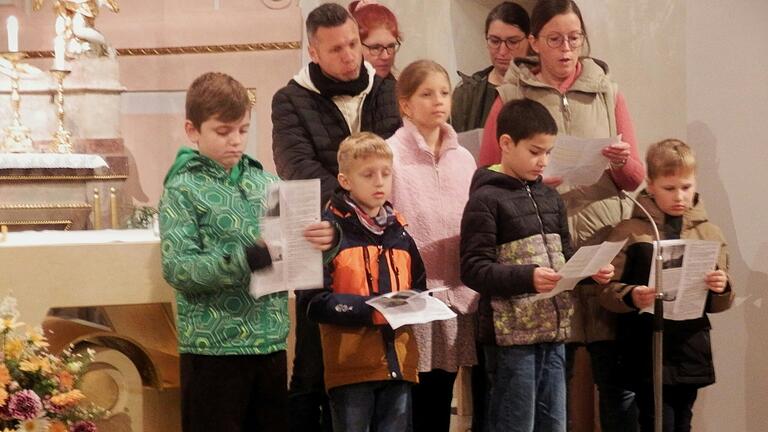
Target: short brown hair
pixel 414 75
pixel 360 146
pixel 216 95
pixel 669 157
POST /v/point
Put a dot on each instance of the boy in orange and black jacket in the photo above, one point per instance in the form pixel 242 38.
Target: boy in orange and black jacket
pixel 369 367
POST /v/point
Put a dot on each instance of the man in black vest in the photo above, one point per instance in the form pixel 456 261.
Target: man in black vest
pixel 334 96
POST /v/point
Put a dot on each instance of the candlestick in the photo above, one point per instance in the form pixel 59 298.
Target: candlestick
pixel 18 138
pixel 113 207
pixel 96 209
pixel 12 25
pixel 62 138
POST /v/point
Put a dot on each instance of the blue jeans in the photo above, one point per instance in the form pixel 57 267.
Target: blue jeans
pixel 618 409
pixel 528 391
pixel 381 406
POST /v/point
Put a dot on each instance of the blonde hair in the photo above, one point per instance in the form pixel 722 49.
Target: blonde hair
pixel 360 146
pixel 414 75
pixel 669 157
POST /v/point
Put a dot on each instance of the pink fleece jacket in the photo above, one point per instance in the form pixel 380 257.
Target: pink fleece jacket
pixel 431 191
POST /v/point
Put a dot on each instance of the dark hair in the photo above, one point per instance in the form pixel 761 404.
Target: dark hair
pixel 326 15
pixel 216 95
pixel 372 16
pixel 545 10
pixel 509 13
pixel 523 119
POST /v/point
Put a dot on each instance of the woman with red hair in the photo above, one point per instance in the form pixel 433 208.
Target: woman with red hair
pixel 379 34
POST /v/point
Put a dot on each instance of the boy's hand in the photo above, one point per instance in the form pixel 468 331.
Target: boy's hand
pixel 552 181
pixel 642 296
pixel 716 281
pixel 320 235
pixel 545 279
pixel 604 275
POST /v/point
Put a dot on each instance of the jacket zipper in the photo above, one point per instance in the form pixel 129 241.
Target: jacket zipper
pixel 546 250
pixel 394 268
pixel 566 108
pixel 368 273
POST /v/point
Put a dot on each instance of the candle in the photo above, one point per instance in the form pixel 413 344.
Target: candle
pixel 12 24
pixel 59 62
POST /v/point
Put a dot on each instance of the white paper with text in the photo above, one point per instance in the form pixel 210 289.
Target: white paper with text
pixel 411 307
pixel 579 161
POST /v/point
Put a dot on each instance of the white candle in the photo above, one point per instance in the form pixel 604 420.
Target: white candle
pixel 12 24
pixel 59 62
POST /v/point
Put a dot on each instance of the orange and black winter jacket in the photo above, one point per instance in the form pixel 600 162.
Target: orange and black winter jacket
pixel 358 344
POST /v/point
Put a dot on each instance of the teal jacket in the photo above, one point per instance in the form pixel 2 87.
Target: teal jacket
pixel 207 217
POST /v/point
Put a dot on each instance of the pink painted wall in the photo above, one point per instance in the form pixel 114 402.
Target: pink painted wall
pixel 153 132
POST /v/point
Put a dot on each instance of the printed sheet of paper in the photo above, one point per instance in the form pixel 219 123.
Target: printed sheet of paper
pixel 587 261
pixel 471 140
pixel 411 307
pixel 296 264
pixel 685 263
pixel 579 161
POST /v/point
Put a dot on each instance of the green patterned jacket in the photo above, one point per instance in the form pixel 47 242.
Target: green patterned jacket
pixel 207 217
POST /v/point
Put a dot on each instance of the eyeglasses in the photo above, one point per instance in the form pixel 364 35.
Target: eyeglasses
pixel 376 50
pixel 556 40
pixel 511 43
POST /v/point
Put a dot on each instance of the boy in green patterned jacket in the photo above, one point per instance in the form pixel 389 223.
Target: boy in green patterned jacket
pixel 232 346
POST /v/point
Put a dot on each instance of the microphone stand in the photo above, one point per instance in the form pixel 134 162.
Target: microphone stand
pixel 658 323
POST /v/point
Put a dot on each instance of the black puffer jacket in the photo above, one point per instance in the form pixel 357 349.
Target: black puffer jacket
pixel 307 129
pixel 501 210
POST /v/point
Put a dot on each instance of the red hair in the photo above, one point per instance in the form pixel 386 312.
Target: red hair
pixel 373 16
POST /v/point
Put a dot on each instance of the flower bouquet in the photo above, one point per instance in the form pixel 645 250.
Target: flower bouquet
pixel 38 390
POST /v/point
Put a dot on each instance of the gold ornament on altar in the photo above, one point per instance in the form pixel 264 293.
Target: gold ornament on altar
pixel 17 138
pixel 76 24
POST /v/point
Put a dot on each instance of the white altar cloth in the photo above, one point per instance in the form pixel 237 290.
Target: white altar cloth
pixel 85 237
pixel 50 160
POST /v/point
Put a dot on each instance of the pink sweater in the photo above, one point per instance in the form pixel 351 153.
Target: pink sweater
pixel 431 193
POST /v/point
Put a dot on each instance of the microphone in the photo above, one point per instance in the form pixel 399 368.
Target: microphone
pixel 658 320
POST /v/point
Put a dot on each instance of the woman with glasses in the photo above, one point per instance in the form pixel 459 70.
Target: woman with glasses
pixel 585 102
pixel 379 35
pixel 506 36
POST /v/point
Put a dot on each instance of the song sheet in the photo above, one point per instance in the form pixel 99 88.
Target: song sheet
pixel 411 307
pixel 685 263
pixel 579 161
pixel 296 264
pixel 471 140
pixel 587 261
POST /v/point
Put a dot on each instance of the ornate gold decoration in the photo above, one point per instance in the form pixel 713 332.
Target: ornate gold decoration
pixel 96 209
pixel 17 137
pixel 113 208
pixel 45 206
pixel 62 138
pixel 66 222
pixel 76 25
pixel 197 49
pixel 61 177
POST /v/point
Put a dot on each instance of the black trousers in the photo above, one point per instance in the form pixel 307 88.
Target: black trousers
pixel 432 401
pixel 677 408
pixel 234 393
pixel 307 399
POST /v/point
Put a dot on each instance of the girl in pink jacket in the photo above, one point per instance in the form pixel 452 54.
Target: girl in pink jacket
pixel 432 174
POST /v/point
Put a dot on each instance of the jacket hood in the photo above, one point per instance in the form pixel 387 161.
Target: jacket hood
pixel 188 158
pixel 476 77
pixel 693 216
pixel 492 176
pixel 303 79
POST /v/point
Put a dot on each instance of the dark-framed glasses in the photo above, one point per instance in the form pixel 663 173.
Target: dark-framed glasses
pixel 511 43
pixel 556 40
pixel 376 50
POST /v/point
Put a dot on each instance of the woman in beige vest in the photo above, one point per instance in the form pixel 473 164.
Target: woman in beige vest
pixel 585 103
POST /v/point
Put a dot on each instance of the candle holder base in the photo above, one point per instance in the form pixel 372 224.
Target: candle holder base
pixel 62 142
pixel 17 139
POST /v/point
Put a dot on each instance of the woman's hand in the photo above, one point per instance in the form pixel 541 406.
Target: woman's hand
pixel 716 281
pixel 545 279
pixel 320 235
pixel 642 296
pixel 604 275
pixel 617 154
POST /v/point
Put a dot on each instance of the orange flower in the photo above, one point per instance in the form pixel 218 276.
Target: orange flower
pixel 57 426
pixel 66 380
pixel 5 376
pixel 67 399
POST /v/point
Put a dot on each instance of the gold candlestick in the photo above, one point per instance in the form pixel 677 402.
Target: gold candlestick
pixel 17 137
pixel 96 209
pixel 62 138
pixel 113 208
